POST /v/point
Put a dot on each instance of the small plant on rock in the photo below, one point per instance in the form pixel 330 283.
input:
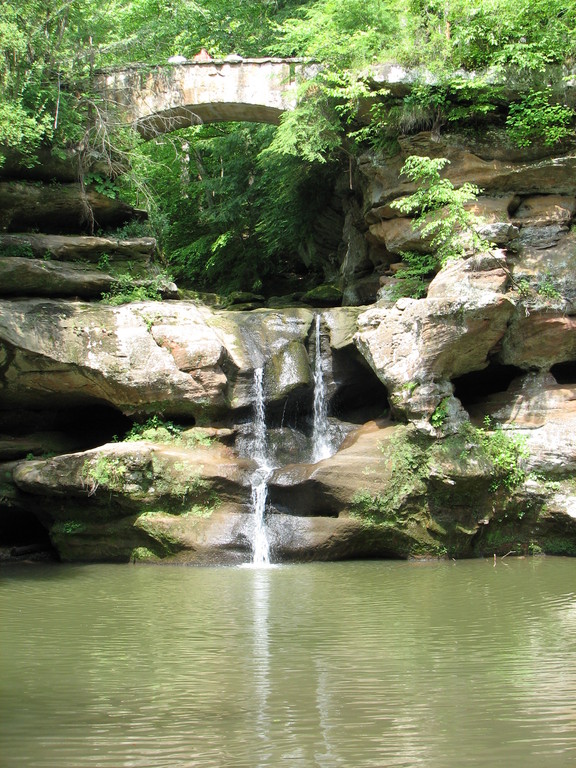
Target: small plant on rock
pixel 506 452
pixel 547 288
pixel 440 413
pixel 155 429
pixel 408 464
pixel 159 430
pixel 106 471
pixel 124 291
pixel 414 275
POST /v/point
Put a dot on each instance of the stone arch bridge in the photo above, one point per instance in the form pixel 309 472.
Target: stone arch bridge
pixel 161 99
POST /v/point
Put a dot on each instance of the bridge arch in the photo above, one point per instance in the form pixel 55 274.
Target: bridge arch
pixel 164 98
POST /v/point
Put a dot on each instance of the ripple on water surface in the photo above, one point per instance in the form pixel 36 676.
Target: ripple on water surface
pixel 369 665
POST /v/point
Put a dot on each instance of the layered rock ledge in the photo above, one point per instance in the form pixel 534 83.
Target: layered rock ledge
pixel 452 414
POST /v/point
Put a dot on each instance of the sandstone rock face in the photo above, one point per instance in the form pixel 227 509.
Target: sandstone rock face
pixel 544 411
pixel 79 266
pixel 58 208
pixel 177 358
pixel 418 346
pixel 81 247
pixel 398 235
pixel 32 277
pixel 458 408
pixel 54 352
pixel 539 338
pixel 142 500
pixel 132 357
pixel 496 176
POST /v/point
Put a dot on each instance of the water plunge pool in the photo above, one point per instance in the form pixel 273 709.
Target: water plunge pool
pixel 363 664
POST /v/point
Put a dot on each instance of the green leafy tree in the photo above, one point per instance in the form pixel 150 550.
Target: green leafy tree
pixel 441 215
pixel 490 33
pixel 344 33
pixel 232 216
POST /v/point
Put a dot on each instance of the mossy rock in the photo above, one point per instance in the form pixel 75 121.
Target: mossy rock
pixel 243 298
pixel 287 301
pixel 323 296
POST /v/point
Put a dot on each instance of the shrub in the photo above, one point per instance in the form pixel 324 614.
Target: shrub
pixel 440 413
pixel 160 431
pixel 124 291
pixel 414 275
pixel 535 119
pixel 505 452
pixel 106 471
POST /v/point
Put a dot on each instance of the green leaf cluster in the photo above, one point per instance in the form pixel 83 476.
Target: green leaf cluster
pixel 124 291
pixel 490 33
pixel 440 413
pixel 535 118
pixel 345 34
pixel 153 428
pixel 441 215
pixel 159 430
pixel 105 471
pixel 415 274
pixel 233 213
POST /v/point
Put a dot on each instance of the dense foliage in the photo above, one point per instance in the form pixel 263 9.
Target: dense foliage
pixel 231 214
pixel 234 204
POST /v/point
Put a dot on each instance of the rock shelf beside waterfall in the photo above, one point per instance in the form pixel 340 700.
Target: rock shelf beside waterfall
pixel 405 382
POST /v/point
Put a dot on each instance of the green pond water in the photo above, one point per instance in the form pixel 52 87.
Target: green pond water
pixel 362 664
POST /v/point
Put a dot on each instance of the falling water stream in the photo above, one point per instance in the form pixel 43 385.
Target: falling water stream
pixel 321 443
pixel 259 481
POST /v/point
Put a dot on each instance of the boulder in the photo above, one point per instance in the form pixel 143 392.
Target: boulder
pixel 539 337
pixel 543 410
pixel 418 346
pixel 398 235
pixel 148 357
pixel 468 278
pixel 138 500
pixel 543 210
pixel 33 277
pixel 326 489
pixel 67 353
pixel 323 296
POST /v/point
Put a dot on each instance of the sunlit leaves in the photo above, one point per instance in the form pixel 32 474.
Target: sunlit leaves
pixel 341 32
pixel 523 34
pixel 534 118
pixel 441 215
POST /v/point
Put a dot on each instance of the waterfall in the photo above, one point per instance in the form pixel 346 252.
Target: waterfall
pixel 321 440
pixel 259 481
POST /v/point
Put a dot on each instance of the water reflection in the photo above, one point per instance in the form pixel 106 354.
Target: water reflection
pixel 371 665
pixel 261 661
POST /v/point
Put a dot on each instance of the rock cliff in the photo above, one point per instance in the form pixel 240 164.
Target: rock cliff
pixel 452 413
